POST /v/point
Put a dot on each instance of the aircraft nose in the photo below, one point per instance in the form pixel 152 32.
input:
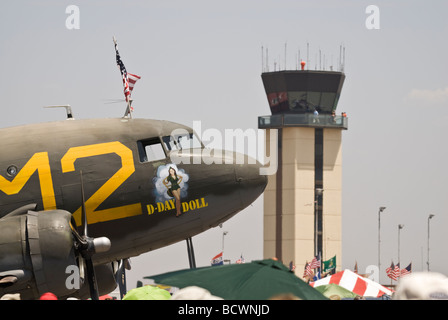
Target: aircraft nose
pixel 249 180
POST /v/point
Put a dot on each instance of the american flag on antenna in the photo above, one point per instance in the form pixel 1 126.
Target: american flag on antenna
pixel 132 79
pixel 129 79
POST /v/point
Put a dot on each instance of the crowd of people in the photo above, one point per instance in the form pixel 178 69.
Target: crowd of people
pixel 416 286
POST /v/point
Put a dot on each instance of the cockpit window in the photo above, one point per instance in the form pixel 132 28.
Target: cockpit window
pixel 181 141
pixel 169 143
pixel 150 150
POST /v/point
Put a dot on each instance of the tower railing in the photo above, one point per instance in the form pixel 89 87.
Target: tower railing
pixel 303 120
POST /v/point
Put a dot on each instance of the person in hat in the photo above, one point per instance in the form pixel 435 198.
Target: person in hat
pixel 422 286
pixel 194 293
pixel 11 296
pixel 48 296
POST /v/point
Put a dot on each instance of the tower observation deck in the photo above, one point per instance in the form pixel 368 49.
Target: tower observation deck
pixel 302 201
pixel 293 96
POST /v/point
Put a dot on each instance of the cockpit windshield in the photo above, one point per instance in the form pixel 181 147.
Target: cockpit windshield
pixel 182 141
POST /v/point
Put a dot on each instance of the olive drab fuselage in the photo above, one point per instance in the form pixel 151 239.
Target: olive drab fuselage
pixel 122 164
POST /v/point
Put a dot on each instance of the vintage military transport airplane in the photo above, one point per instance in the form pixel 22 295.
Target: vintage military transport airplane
pixel 91 193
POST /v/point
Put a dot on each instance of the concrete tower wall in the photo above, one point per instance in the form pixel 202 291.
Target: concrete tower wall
pixel 297 194
pixel 332 199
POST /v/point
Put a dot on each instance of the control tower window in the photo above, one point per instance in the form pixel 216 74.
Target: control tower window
pixel 328 100
pixel 150 150
pixel 307 101
pixel 298 101
pixel 314 99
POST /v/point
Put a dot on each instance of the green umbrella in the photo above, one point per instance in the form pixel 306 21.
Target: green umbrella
pixel 333 289
pixel 257 280
pixel 147 293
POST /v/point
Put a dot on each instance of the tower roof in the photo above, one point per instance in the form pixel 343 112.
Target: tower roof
pixel 303 91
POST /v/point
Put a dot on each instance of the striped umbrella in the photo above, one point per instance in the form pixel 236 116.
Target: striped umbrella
pixel 355 283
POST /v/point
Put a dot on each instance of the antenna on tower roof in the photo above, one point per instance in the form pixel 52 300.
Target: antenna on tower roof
pixel 341 57
pixel 262 59
pixel 267 59
pixel 320 59
pixel 307 53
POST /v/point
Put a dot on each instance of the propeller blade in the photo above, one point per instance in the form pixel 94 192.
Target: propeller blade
pixel 82 272
pixel 120 275
pixel 87 247
pixel 91 278
pixel 83 208
pixel 121 279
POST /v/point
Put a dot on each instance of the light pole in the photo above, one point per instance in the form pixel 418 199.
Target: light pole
pixel 429 218
pixel 379 236
pixel 223 234
pixel 400 226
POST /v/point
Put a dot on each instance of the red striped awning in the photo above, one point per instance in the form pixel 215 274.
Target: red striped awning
pixel 355 283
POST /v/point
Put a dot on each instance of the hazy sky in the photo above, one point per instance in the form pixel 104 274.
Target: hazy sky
pixel 201 60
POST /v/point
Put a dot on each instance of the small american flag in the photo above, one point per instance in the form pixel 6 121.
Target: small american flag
pixel 390 268
pixel 406 271
pixel 308 271
pixel 315 263
pixel 124 74
pixel 129 79
pixel 396 272
pixel 392 271
pixel 240 260
pixel 132 79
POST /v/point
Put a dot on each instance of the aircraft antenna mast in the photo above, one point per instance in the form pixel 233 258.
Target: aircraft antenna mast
pixel 68 110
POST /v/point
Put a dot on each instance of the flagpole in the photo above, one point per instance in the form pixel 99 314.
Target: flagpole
pixel 400 226
pixel 128 110
pixel 320 264
pixel 224 233
pixel 429 218
pixel 381 209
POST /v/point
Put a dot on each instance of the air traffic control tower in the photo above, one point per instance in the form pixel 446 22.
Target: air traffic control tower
pixel 303 200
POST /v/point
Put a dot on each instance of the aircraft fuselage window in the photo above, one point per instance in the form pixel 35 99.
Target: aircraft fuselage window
pixel 179 142
pixel 169 143
pixel 151 150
